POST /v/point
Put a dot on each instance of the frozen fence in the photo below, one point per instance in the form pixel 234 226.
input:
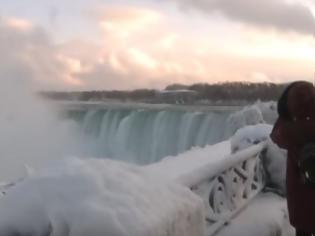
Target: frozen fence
pixel 228 186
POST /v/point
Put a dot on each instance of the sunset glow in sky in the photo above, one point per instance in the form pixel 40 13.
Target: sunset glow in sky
pixel 120 44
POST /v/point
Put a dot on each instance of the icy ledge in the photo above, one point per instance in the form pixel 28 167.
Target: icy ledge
pixel 97 198
pixel 267 215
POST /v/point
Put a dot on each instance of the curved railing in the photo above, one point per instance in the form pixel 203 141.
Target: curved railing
pixel 227 187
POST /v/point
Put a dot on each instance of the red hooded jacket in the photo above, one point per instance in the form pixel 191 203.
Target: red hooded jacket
pixel 292 134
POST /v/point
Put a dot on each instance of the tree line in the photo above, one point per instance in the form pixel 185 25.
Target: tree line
pixel 228 91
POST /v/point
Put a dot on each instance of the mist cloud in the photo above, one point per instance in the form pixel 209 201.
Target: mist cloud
pixel 30 131
pixel 276 14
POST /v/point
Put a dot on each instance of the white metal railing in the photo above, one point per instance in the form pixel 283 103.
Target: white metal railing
pixel 227 187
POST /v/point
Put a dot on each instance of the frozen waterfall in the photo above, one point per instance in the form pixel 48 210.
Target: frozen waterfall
pixel 144 136
pixel 145 133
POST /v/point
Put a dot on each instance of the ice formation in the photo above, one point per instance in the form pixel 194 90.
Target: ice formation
pixel 99 197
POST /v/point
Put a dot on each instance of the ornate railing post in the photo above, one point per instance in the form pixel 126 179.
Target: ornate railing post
pixel 227 187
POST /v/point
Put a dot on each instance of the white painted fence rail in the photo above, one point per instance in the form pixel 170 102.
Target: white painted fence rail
pixel 228 186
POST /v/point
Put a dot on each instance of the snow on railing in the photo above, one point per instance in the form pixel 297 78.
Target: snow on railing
pixel 228 186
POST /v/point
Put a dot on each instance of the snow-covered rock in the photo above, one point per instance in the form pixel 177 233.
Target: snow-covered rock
pixel 96 198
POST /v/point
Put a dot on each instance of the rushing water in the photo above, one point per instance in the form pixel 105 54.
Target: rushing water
pixel 146 135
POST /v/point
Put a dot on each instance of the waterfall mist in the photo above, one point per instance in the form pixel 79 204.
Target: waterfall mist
pixel 30 133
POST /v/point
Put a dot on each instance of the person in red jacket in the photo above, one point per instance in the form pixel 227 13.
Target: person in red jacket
pixel 294 128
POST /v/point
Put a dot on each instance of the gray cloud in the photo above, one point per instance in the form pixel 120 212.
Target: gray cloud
pixel 267 13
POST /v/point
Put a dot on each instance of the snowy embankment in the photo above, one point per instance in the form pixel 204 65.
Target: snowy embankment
pixel 99 197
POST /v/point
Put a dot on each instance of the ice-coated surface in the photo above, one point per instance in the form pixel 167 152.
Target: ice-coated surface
pixel 103 197
pixel 249 135
pixel 274 158
pixel 260 112
pixel 266 216
pixel 96 198
pixel 190 162
pixel 268 111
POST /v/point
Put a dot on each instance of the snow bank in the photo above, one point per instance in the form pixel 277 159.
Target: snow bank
pixel 99 197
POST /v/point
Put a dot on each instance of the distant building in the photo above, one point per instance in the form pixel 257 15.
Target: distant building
pixel 180 96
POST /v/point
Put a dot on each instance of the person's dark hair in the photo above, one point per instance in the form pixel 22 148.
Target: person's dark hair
pixel 283 110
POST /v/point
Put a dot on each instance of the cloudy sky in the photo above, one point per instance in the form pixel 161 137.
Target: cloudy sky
pixel 127 44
